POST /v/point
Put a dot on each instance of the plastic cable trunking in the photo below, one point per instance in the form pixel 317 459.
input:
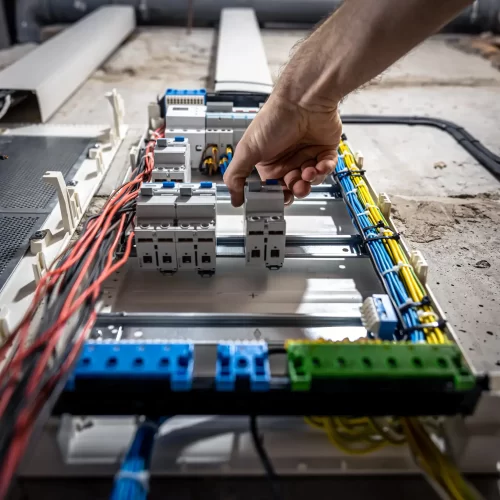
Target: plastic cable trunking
pixel 241 363
pixel 310 364
pixel 135 361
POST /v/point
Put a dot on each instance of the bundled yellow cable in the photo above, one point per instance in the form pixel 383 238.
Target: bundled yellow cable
pixel 357 436
pixel 407 274
pixel 360 436
pixel 437 466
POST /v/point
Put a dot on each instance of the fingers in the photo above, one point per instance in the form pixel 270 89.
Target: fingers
pixel 245 158
pixel 293 180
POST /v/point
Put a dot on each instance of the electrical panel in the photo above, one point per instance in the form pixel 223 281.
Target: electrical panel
pixel 265 226
pixel 176 227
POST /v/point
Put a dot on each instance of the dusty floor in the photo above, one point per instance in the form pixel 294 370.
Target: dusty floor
pixel 451 213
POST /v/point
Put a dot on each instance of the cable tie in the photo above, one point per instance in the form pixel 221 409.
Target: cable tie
pixel 426 301
pixel 396 268
pixel 426 314
pixel 436 324
pixel 371 237
pixel 352 191
pixel 366 212
pixel 378 225
pixel 141 477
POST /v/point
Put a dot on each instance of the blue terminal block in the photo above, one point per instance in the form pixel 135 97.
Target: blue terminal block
pixel 248 363
pixel 205 184
pixel 169 184
pixel 136 361
pixel 387 316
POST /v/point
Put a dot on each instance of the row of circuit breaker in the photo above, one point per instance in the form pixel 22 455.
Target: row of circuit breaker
pixel 203 124
pixel 176 226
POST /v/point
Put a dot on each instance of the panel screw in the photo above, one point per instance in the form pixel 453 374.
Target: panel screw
pixel 71 183
pixel 38 235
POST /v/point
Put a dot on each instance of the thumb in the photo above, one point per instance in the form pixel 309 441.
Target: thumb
pixel 241 166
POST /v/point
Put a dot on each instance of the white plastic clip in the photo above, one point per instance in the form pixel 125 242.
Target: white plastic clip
pixel 67 205
pixel 118 108
pixel 39 266
pixel 384 203
pixel 419 265
pixel 140 477
pixel 360 159
pixel 352 191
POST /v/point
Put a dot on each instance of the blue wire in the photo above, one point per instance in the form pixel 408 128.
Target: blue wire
pixel 381 256
pixel 137 460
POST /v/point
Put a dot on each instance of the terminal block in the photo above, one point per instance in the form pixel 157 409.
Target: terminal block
pixel 172 160
pixel 185 96
pixel 320 365
pixel 136 361
pixel 176 227
pixel 242 365
pixel 378 316
pixel 265 225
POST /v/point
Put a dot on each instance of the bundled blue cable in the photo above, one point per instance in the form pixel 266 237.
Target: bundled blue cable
pixel 381 256
pixel 132 480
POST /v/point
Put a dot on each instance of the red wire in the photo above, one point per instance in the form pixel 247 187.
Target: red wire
pixel 27 417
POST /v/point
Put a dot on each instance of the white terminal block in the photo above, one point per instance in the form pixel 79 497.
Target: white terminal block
pixel 186 117
pixel 176 226
pixel 172 160
pixel 265 225
pixel 196 139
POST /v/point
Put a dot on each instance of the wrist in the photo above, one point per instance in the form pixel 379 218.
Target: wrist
pixel 312 77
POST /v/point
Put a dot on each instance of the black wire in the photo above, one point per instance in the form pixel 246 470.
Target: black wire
pixel 472 145
pixel 264 458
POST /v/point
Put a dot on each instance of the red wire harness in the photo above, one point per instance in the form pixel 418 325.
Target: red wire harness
pixel 88 247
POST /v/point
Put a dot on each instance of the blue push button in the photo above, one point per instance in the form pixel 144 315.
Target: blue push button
pixel 205 184
pixel 169 184
pixel 178 138
pixel 272 182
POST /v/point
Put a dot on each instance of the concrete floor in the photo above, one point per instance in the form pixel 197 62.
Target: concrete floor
pixel 451 214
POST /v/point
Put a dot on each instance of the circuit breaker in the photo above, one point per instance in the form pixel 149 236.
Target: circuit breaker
pixel 172 160
pixel 176 227
pixel 265 225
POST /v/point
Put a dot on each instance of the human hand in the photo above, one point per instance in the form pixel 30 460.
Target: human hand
pixel 288 142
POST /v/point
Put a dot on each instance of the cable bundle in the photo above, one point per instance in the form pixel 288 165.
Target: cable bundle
pixel 391 263
pixel 211 162
pixel 45 345
pixel 438 467
pixel 132 480
pixel 359 436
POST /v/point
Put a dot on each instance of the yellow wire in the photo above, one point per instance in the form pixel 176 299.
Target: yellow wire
pixel 415 289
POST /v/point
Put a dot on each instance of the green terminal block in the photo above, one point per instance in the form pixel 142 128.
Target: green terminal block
pixel 310 363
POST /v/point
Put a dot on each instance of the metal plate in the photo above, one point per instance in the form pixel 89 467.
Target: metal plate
pixel 25 199
pixel 15 231
pixel 22 188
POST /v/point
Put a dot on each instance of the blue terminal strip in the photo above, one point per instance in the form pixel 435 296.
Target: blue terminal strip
pixel 137 361
pixel 178 138
pixel 205 184
pixel 248 363
pixel 169 184
pixel 187 92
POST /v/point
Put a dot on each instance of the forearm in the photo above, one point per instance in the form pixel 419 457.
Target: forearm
pixel 358 42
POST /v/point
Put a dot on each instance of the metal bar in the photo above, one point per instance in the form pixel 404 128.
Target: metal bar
pixel 322 188
pixel 225 320
pixel 54 70
pixel 239 34
pixel 298 241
